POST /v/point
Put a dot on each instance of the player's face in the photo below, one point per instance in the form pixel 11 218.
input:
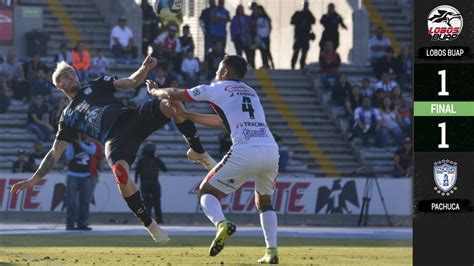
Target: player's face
pixel 69 82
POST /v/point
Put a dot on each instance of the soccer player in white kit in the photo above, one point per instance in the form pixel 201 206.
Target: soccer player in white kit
pixel 254 152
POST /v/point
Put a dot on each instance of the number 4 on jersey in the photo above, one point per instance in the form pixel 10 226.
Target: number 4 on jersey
pixel 247 107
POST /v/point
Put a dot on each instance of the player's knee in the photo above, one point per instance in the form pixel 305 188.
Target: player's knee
pixel 263 203
pixel 120 173
pixel 264 208
pixel 166 108
pixel 205 188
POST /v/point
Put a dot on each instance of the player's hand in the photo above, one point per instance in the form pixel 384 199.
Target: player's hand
pixel 150 62
pixel 23 185
pixel 150 86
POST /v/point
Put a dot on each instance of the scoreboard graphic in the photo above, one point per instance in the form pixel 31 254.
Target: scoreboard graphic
pixel 444 133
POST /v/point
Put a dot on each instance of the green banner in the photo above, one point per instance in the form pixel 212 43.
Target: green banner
pixel 444 109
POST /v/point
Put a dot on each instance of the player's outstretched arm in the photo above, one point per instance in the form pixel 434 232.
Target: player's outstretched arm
pixel 173 94
pixel 138 77
pixel 46 165
pixel 203 119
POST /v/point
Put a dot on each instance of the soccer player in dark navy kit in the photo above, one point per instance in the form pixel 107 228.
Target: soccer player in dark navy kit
pixel 94 110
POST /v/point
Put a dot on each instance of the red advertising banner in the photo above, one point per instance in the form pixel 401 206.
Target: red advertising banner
pixel 6 25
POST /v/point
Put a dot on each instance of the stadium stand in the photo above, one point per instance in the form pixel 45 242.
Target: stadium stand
pixel 81 19
pixel 394 18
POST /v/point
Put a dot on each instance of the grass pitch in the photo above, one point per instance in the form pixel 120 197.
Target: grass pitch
pixel 140 250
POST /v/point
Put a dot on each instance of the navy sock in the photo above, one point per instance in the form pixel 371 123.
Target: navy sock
pixel 135 204
pixel 188 129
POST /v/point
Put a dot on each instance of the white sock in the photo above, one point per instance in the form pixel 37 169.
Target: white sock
pixel 269 223
pixel 212 208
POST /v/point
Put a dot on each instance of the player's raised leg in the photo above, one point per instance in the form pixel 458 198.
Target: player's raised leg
pixel 209 199
pixel 196 152
pixel 132 196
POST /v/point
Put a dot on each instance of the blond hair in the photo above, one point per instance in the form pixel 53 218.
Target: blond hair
pixel 60 69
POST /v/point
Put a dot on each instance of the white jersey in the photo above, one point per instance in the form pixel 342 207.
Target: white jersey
pixel 239 107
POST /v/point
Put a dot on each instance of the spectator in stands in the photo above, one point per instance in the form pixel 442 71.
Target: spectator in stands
pixel 162 77
pixel 353 100
pixel 377 46
pixel 213 59
pixel 149 26
pixel 331 22
pixel 21 165
pixel 241 35
pixel 41 85
pixel 190 68
pixel 366 89
pixel 262 38
pixel 403 159
pixel 38 119
pixel 377 100
pixel 148 170
pixel 205 24
pixel 36 157
pixel 162 57
pixel 15 77
pixel 187 42
pixel 329 62
pixel 5 93
pixel 386 83
pixel 367 123
pixel 341 89
pixel 100 65
pixel 31 68
pixel 387 64
pixel 303 21
pixel 63 55
pixel 218 27
pixel 78 183
pixel 121 40
pixel 171 44
pixel 225 142
pixel 403 108
pixel 96 165
pixel 81 61
pixel 283 152
pixel 390 123
pixel 405 64
pixel 55 113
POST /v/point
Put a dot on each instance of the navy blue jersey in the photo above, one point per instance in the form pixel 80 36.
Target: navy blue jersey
pixel 92 111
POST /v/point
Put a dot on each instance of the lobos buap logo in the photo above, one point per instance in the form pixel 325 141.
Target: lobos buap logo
pixel 444 23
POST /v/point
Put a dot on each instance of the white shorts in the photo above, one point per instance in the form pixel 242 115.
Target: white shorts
pixel 244 163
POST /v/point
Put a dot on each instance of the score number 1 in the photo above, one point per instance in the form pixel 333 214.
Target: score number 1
pixel 443 92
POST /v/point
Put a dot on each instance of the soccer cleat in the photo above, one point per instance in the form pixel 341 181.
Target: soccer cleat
pixel 158 235
pixel 203 158
pixel 224 230
pixel 271 257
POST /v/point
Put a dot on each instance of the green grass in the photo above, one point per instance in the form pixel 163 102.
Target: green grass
pixel 140 250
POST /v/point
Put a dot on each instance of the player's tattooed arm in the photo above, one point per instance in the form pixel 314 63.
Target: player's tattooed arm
pixel 173 94
pixel 138 77
pixel 203 119
pixel 46 165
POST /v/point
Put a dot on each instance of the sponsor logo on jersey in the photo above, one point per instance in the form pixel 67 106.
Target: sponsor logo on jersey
pixel 445 176
pixel 260 133
pixel 444 23
pixel 240 91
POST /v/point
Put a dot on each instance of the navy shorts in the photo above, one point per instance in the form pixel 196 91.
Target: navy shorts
pixel 131 129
